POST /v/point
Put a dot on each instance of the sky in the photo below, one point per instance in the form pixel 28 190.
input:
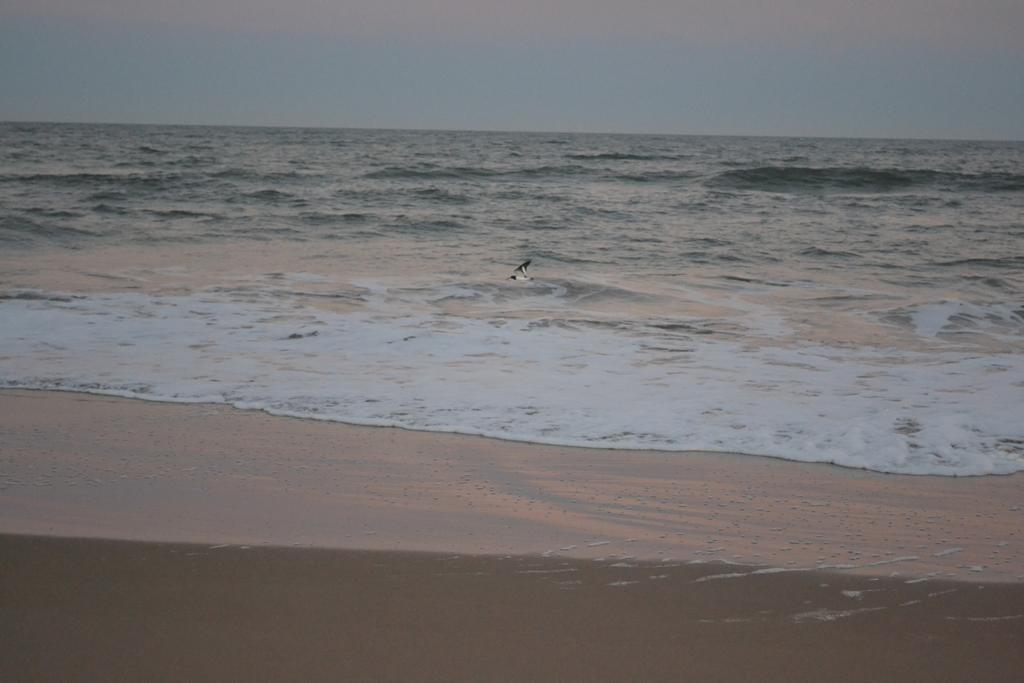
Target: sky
pixel 860 68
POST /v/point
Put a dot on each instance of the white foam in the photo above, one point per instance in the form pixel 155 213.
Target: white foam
pixel 779 570
pixel 894 560
pixel 719 577
pixel 824 614
pixel 933 319
pixel 544 379
pixel 756 572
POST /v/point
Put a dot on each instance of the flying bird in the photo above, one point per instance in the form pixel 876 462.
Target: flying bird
pixel 520 272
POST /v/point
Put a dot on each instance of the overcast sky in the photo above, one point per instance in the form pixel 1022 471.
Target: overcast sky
pixel 902 68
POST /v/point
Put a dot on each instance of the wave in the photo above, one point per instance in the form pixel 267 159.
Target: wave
pixel 182 213
pixel 565 377
pixel 545 171
pixel 322 218
pixel 192 161
pixel 414 227
pixel 1005 262
pixel 103 207
pixel 656 176
pixel 51 213
pixel 712 257
pixel 753 281
pixel 93 179
pixel 840 179
pixel 269 195
pixel 953 317
pixel 1001 182
pixel 107 195
pixel 441 196
pixel 23 230
pixel 560 257
pixel 33 295
pixel 473 172
pixel 623 156
pixel 249 175
pixel 988 281
pixel 348 236
pixel 828 253
pixel 710 242
pixel 406 173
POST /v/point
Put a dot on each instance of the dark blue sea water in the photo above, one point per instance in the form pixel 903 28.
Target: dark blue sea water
pixel 850 301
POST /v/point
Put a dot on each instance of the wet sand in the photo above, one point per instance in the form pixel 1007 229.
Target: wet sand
pixel 93 610
pixel 545 563
pixel 78 465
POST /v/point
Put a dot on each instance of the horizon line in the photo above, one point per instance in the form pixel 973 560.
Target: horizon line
pixel 499 131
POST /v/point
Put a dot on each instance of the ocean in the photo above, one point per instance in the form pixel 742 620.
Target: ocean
pixel 857 302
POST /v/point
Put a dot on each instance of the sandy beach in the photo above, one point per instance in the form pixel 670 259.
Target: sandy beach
pixel 90 610
pixel 400 342
pixel 79 465
pixel 271 548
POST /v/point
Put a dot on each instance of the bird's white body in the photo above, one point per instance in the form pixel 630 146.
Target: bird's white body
pixel 519 274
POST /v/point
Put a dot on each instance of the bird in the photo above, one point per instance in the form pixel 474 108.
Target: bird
pixel 520 272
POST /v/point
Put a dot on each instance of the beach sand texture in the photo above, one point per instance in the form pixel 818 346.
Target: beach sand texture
pixel 545 563
pixel 81 465
pixel 89 610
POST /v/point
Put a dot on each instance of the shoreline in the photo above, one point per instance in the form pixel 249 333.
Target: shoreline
pixel 491 437
pixel 157 611
pixel 84 465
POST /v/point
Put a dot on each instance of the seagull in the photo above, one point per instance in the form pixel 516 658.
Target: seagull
pixel 520 272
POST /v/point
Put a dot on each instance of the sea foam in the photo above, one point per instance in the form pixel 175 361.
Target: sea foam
pixel 542 378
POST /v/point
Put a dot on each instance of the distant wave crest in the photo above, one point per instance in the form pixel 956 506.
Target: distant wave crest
pixel 840 179
pixel 622 156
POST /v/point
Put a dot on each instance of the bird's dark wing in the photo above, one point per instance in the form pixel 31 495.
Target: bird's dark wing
pixel 522 268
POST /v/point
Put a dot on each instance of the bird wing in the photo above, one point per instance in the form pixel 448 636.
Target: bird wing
pixel 522 268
